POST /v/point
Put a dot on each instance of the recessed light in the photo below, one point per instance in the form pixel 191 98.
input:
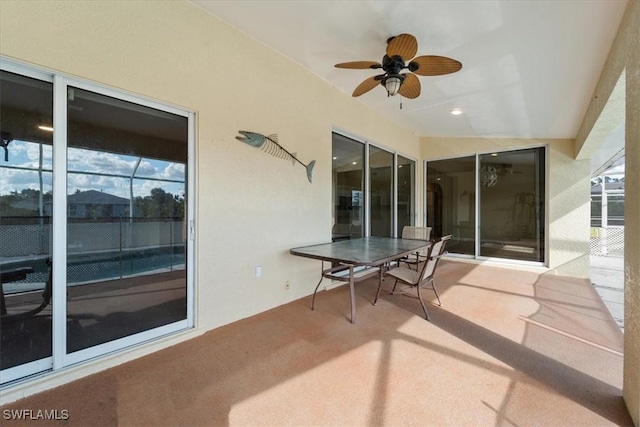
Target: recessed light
pixel 354 163
pixel 47 128
pixel 494 154
pixel 456 111
pixel 335 158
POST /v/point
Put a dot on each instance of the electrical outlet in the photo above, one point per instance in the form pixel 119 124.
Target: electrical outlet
pixel 259 271
pixel 286 285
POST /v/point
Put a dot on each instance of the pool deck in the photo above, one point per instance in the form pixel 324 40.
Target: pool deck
pixel 607 276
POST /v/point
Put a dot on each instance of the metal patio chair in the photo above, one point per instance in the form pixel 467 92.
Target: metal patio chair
pixel 416 233
pixel 422 278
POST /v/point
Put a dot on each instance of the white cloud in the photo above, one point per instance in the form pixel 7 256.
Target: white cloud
pixel 24 154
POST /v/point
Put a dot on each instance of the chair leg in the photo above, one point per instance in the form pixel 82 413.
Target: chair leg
pixel 433 284
pixel 394 287
pixel 426 313
pixel 375 301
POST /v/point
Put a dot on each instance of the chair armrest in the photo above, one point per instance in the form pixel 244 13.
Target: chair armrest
pixel 439 256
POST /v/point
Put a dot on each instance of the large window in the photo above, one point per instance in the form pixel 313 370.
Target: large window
pixel 126 166
pixel 348 188
pixel 406 193
pixel 381 190
pixel 373 190
pixel 450 196
pixel 492 204
pixel 25 222
pixel 94 211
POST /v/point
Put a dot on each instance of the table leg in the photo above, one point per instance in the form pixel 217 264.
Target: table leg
pixel 313 300
pixel 352 295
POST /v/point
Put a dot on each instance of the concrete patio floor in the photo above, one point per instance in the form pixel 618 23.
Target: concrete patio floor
pixel 507 348
pixel 607 277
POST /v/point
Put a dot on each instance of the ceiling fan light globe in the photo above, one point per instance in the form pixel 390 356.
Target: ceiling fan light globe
pixel 392 84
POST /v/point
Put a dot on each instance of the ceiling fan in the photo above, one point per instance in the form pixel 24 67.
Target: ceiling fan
pixel 399 50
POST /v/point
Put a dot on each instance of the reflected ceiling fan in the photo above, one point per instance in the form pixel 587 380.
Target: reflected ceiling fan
pixel 397 58
pixel 506 169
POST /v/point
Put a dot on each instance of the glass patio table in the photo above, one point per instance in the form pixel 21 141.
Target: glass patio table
pixel 358 259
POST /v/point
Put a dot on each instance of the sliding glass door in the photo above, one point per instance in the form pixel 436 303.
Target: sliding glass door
pixel 348 188
pixel 492 204
pixel 406 189
pixel 126 187
pixel 451 201
pixel 381 190
pixel 512 205
pixel 373 190
pixel 95 219
pixel 26 168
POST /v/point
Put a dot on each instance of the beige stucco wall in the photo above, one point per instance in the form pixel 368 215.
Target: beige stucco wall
pixel 567 191
pixel 251 207
pixel 623 64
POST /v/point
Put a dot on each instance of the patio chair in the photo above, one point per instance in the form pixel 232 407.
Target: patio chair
pixel 20 274
pixel 416 233
pixel 420 279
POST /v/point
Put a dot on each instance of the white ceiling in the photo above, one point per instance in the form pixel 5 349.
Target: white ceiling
pixel 529 67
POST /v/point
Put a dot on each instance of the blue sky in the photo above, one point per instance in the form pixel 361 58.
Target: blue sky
pixel 25 154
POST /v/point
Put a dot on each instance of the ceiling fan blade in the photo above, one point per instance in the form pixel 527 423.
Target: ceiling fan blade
pixel 404 45
pixel 366 86
pixel 432 65
pixel 410 87
pixel 359 65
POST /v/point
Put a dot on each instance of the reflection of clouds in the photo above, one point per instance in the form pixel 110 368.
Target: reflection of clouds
pixel 174 171
pixel 19 147
pixel 111 185
pixel 26 154
pixel 142 188
pixel 18 180
pixel 161 170
pixel 33 155
pixel 146 169
pixel 95 161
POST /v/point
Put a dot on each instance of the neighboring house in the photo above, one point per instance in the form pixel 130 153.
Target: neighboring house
pixel 96 204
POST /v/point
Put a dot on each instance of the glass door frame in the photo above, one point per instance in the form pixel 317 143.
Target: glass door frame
pixel 59 358
pixel 46 363
pixel 477 229
pixel 367 181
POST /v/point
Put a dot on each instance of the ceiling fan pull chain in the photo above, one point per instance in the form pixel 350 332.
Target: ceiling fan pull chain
pixel 401 102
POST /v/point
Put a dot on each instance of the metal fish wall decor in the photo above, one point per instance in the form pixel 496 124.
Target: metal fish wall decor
pixel 270 145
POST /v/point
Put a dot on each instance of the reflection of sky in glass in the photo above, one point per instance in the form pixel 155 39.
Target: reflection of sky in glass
pixel 119 166
pixel 25 155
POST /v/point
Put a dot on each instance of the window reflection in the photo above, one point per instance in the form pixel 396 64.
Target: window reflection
pixel 406 193
pixel 126 235
pixel 381 187
pixel 347 188
pixel 451 202
pixel 25 221
pixel 512 205
pixel 510 214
